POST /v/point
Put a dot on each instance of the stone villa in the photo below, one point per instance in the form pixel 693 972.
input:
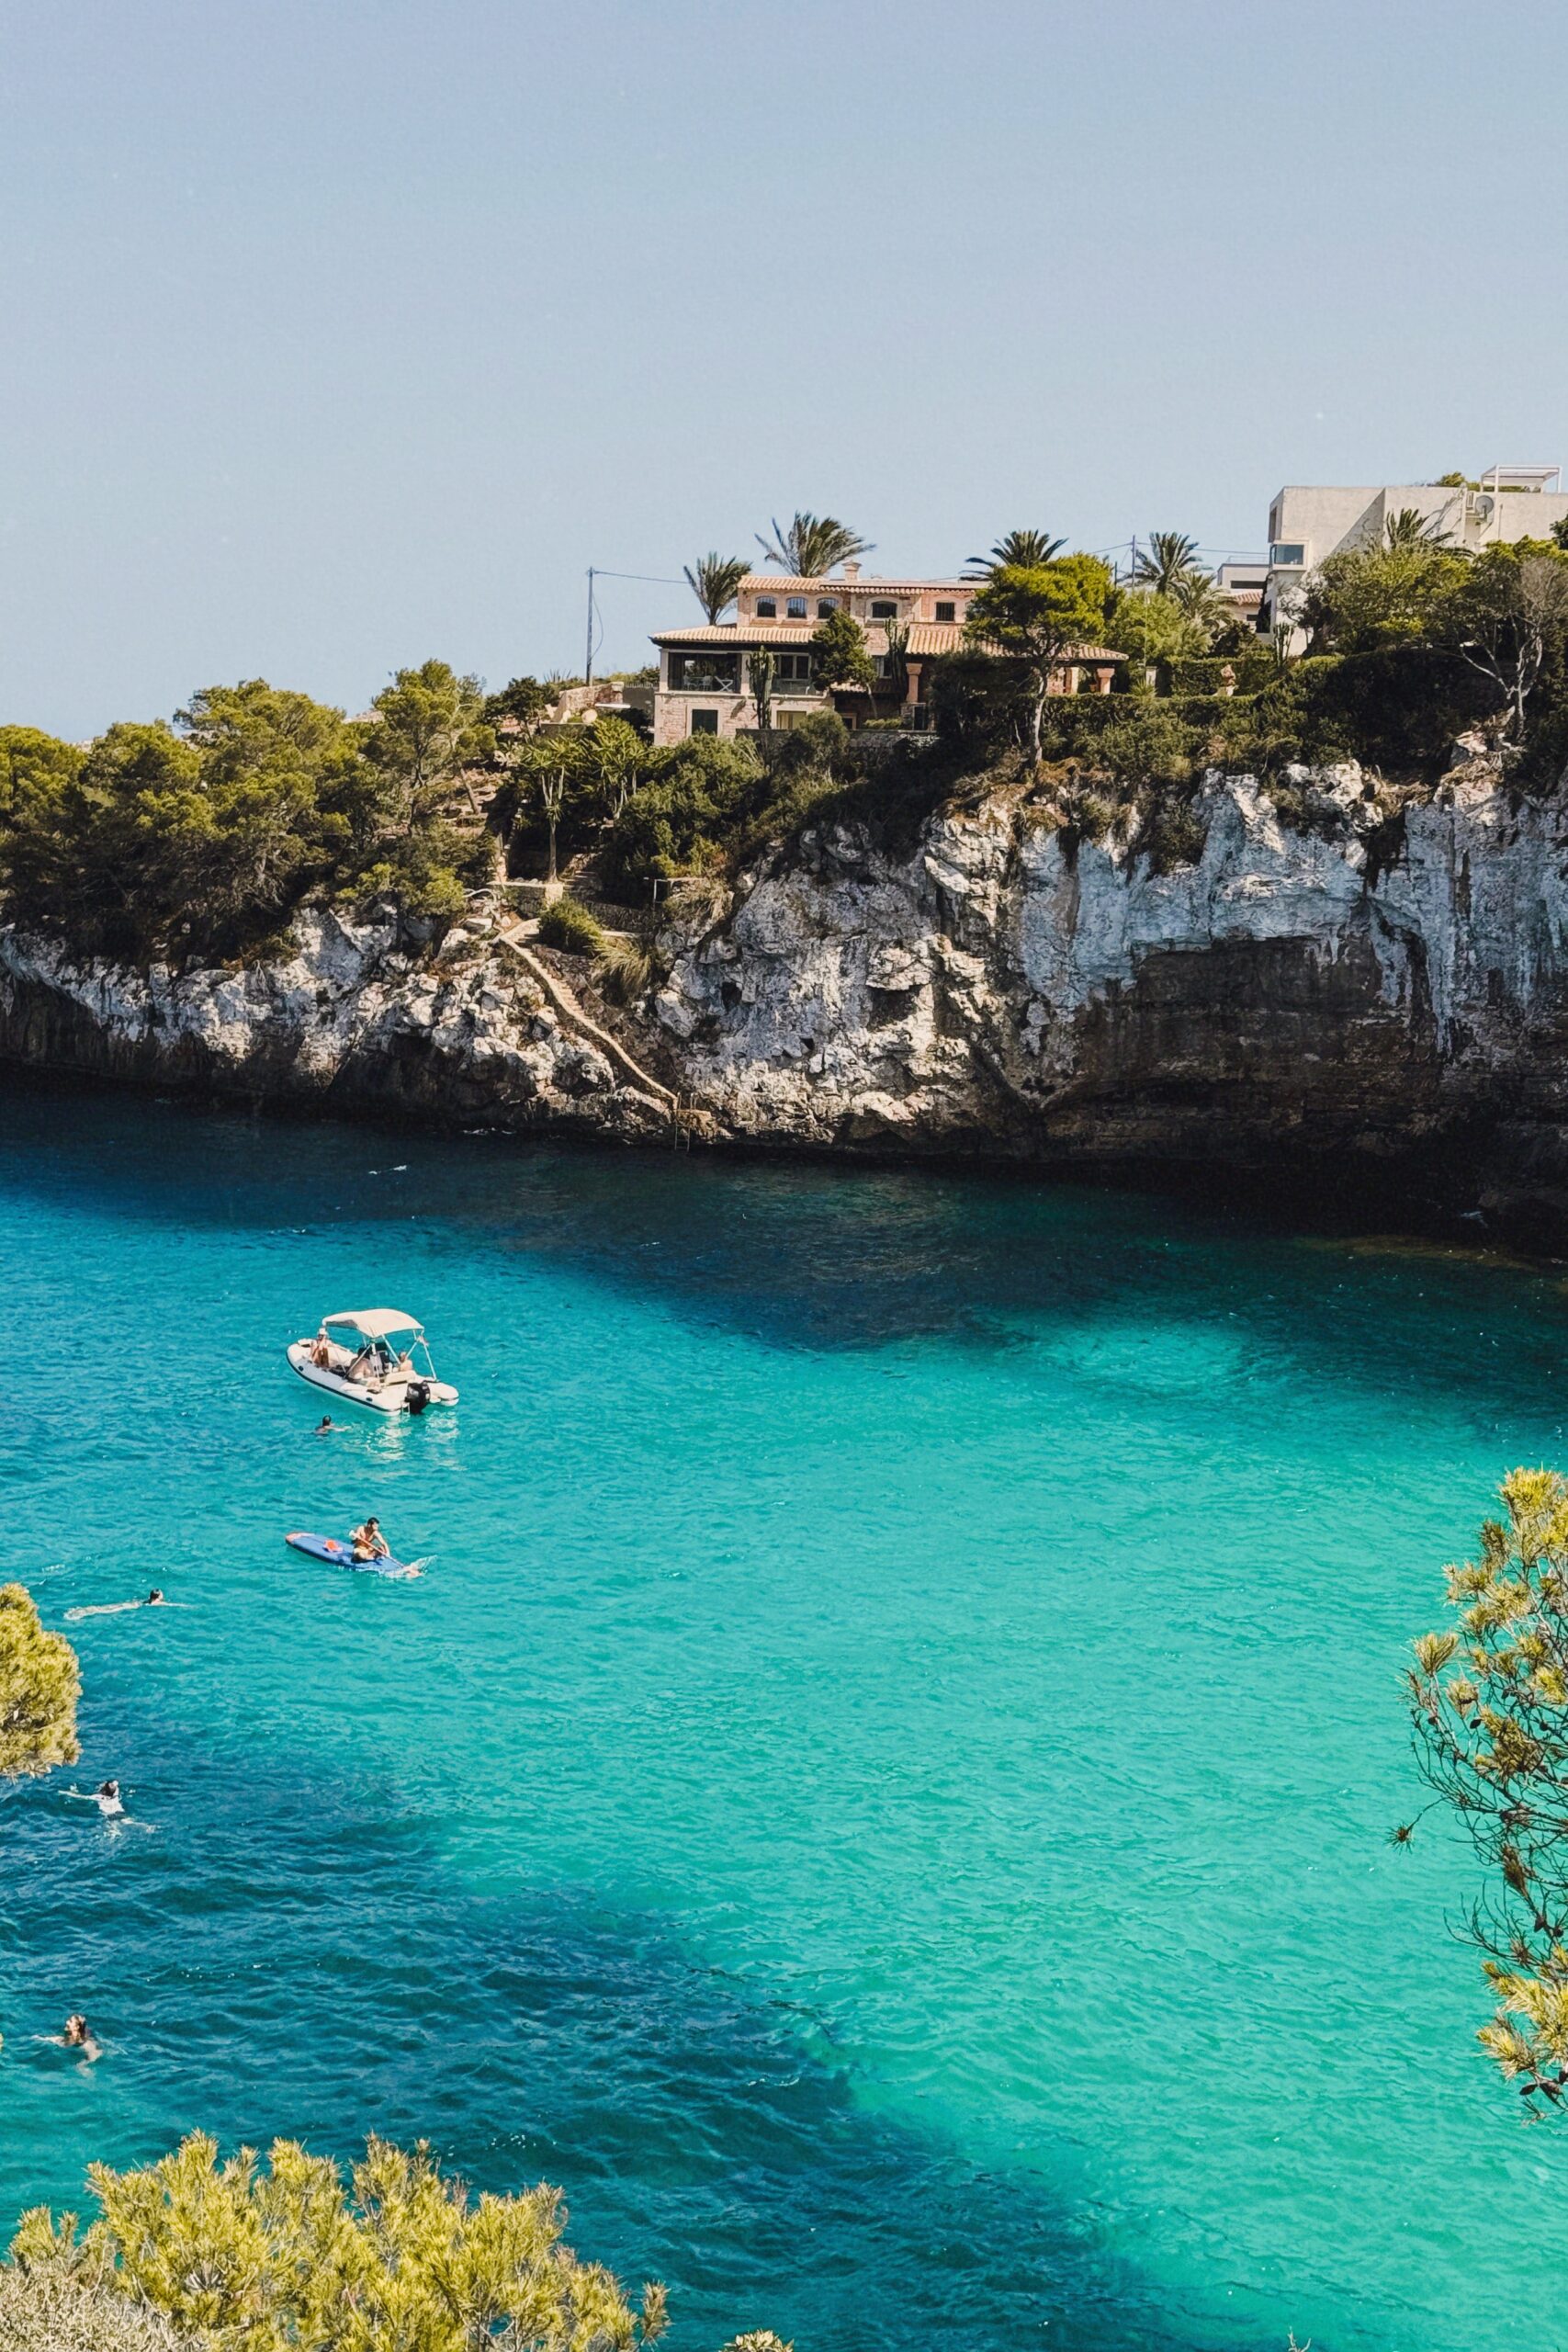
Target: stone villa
pixel 703 686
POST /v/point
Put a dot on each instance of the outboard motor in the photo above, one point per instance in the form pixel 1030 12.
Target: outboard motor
pixel 416 1396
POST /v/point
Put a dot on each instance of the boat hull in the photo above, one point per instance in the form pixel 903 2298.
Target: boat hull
pixel 391 1398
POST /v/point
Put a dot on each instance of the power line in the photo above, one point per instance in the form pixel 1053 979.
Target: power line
pixel 596 571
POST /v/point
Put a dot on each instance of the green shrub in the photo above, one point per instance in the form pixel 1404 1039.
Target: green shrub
pixel 1173 833
pixel 237 2256
pixel 566 925
pixel 40 1683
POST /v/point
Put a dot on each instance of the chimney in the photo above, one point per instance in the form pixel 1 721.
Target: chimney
pixel 852 571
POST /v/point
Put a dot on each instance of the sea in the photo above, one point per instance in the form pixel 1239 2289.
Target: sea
pixel 882 1790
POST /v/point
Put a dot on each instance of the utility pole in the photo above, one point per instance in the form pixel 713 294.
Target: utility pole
pixel 588 665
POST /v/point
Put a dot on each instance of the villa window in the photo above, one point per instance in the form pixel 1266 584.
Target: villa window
pixel 1287 552
pixel 705 722
pixel 792 669
pixel 767 609
pixel 883 609
pixel 825 605
pixel 946 612
pixel 794 609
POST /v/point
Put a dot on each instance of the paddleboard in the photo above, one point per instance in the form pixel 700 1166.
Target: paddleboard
pixel 341 1554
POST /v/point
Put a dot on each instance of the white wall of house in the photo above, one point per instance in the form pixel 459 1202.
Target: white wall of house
pixel 1308 522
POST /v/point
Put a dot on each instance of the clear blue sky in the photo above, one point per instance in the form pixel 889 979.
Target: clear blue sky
pixel 334 334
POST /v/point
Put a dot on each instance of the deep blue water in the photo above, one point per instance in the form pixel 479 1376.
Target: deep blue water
pixel 883 1791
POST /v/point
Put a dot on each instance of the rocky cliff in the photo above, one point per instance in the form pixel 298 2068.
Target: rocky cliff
pixel 1367 985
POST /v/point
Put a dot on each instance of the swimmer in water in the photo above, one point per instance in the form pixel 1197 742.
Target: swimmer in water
pixel 78 2035
pixel 105 1796
pixel 324 1424
pixel 155 1600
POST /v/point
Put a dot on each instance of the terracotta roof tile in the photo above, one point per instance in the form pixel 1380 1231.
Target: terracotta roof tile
pixel 834 583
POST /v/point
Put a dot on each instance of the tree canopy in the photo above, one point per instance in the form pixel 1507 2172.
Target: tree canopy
pixel 40 1686
pixel 202 838
pixel 839 655
pixel 1364 598
pixel 1032 614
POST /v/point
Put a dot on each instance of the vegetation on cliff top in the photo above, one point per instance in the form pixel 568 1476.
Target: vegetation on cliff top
pixel 199 840
pixel 202 838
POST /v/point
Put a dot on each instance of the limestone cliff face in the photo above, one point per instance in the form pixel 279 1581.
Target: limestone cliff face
pixel 352 1020
pixel 1348 991
pixel 1326 995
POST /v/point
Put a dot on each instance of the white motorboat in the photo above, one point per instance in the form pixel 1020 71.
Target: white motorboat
pixel 377 1358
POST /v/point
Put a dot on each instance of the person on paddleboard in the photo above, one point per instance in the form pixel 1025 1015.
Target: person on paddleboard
pixel 368 1542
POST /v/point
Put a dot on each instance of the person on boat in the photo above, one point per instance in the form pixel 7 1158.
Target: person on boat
pixel 370 1543
pixel 78 2035
pixel 321 1350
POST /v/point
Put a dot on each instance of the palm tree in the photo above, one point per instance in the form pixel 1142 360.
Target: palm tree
pixel 812 546
pixel 1028 549
pixel 713 581
pixel 1198 600
pixel 1170 555
pixel 1411 529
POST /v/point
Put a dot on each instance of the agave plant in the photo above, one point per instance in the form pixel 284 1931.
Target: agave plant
pixel 812 545
pixel 713 581
pixel 1028 549
pixel 1169 556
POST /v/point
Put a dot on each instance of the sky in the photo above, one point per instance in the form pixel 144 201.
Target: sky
pixel 339 334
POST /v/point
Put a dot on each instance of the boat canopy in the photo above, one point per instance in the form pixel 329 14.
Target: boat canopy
pixel 376 1322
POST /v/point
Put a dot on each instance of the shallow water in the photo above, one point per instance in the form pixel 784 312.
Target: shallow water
pixel 882 1789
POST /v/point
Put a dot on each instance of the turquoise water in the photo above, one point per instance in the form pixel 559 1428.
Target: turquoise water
pixel 883 1791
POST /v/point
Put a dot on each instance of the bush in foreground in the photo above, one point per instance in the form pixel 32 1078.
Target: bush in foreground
pixel 53 2310
pixel 40 1686
pixel 240 2256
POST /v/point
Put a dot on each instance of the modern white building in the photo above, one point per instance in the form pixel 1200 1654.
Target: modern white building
pixel 1307 524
